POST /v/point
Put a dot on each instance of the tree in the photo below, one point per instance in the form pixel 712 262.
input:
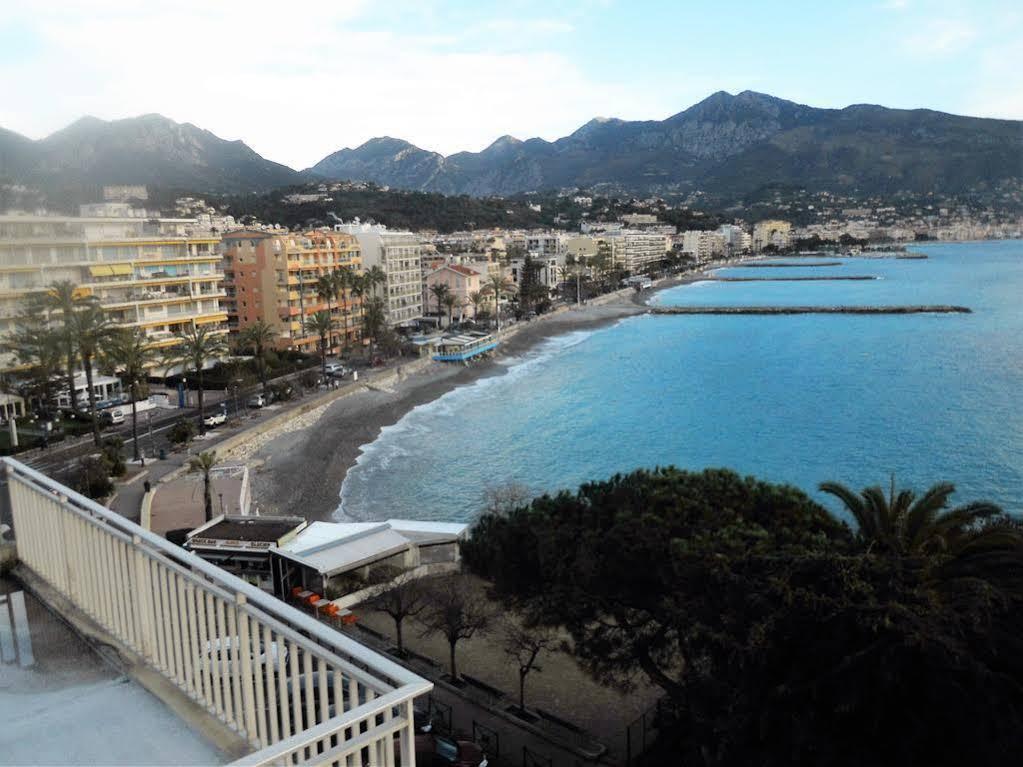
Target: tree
pixel 132 356
pixel 523 645
pixel 203 464
pixel 40 348
pixel 404 596
pixel 374 316
pixel 197 347
pixel 605 560
pixel 92 329
pixel 375 277
pixel 439 290
pixel 64 298
pixel 710 584
pixel 497 285
pixel 451 301
pixel 457 610
pixel 327 288
pixel 321 323
pixel 261 338
pixel 906 525
pixel 476 298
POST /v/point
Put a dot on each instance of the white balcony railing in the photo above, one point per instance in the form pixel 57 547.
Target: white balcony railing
pixel 296 690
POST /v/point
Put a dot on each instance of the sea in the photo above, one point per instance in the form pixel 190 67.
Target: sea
pixel 795 399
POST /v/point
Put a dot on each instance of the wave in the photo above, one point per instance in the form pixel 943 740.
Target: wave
pixel 419 423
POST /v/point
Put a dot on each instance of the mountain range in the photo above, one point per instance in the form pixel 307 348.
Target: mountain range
pixel 726 145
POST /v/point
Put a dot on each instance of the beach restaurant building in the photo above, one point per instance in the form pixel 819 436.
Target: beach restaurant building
pixel 339 558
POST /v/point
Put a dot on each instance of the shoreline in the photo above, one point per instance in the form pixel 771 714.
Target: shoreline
pixel 300 471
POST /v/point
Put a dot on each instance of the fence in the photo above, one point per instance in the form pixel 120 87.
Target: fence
pixel 642 732
pixel 296 691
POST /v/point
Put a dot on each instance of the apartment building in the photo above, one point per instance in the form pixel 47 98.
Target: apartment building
pixel 157 274
pixel 636 251
pixel 272 275
pixel 703 245
pixel 399 255
pixel 771 232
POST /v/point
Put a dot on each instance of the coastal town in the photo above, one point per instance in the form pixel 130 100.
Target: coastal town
pixel 583 384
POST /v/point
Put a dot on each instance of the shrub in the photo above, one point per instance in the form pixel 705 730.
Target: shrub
pixel 92 478
pixel 113 447
pixel 181 432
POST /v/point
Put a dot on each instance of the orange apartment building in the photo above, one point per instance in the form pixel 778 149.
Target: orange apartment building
pixel 272 275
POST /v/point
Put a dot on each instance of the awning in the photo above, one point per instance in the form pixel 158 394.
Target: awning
pixel 120 269
pixel 101 271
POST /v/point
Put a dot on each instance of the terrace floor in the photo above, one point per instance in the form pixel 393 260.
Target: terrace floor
pixel 61 703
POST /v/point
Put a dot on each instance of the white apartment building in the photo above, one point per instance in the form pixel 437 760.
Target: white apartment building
pixel 736 238
pixel 547 272
pixel 545 244
pixel 635 250
pixel 703 245
pixel 400 255
pixel 771 232
pixel 157 274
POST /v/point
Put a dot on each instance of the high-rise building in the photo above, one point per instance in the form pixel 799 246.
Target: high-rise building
pixel 272 276
pixel 702 244
pixel 636 251
pixel 399 255
pixel 771 232
pixel 157 274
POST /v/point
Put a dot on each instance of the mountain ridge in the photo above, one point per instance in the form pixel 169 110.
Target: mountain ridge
pixel 728 144
pixel 725 145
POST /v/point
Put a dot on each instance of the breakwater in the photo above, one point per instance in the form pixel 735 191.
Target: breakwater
pixel 795 279
pixel 785 264
pixel 912 309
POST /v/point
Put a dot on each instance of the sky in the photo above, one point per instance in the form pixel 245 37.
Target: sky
pixel 297 81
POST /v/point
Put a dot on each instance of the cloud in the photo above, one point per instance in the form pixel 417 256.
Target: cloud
pixel 299 83
pixel 941 37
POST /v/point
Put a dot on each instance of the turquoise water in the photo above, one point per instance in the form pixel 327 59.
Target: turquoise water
pixel 797 399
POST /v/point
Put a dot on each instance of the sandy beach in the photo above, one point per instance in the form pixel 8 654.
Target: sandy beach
pixel 300 470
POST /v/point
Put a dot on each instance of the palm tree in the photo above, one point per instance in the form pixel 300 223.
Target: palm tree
pixel 132 356
pixel 476 298
pixel 451 301
pixel 376 276
pixel 64 299
pixel 439 290
pixel 321 323
pixel 198 347
pixel 204 464
pixel 374 316
pixel 92 329
pixel 260 337
pixel 904 525
pixel 342 279
pixel 327 289
pixel 39 346
pixel 497 284
pixel 358 287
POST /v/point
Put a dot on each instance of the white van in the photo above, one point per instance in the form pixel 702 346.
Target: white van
pixel 335 370
pixel 112 416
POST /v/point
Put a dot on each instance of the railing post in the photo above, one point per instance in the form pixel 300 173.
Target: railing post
pixel 243 653
pixel 141 595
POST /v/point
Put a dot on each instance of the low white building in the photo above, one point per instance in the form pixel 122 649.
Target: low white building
pixel 342 559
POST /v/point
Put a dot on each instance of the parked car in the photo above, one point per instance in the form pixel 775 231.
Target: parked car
pixel 336 370
pixel 258 400
pixel 215 419
pixel 440 751
pixel 111 417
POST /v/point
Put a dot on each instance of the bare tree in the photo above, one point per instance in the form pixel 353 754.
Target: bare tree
pixel 524 645
pixel 406 598
pixel 457 610
pixel 501 500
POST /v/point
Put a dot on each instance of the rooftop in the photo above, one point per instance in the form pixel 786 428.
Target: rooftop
pixel 248 528
pixel 61 703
